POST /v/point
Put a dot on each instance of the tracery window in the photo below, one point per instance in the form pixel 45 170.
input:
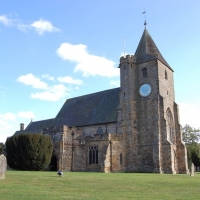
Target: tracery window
pixel 144 72
pixel 170 130
pixel 93 155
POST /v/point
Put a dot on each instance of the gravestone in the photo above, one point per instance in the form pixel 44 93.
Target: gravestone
pixel 191 169
pixel 3 166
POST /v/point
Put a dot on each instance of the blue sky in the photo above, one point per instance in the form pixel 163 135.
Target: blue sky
pixel 52 50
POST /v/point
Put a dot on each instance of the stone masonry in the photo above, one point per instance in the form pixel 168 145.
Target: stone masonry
pixel 134 128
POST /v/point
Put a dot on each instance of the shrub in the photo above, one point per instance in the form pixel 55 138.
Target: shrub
pixel 1 148
pixel 29 151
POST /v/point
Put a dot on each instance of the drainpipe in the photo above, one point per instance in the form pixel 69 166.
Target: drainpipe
pixel 62 151
pixel 72 160
pixel 110 142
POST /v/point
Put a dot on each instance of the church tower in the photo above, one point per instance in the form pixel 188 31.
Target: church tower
pixel 148 115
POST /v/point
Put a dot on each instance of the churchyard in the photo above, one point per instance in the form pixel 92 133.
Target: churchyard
pixel 32 185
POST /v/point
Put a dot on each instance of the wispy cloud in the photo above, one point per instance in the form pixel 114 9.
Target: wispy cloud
pixel 115 83
pixel 5 20
pixel 40 26
pixel 88 64
pixel 26 115
pixel 54 93
pixel 49 93
pixel 70 80
pixel 35 82
pixel 47 76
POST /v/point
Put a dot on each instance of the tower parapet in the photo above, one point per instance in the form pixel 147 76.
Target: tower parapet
pixel 127 59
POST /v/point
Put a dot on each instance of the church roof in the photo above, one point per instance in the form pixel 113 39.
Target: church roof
pixel 147 50
pixel 96 108
pixel 36 127
pixel 39 125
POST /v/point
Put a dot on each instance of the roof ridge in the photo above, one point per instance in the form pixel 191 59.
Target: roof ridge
pixel 93 93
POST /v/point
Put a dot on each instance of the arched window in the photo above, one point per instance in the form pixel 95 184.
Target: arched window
pixel 170 129
pixel 144 72
pixel 93 155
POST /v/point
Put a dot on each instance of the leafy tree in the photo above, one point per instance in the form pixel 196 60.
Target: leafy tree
pixel 191 137
pixel 29 151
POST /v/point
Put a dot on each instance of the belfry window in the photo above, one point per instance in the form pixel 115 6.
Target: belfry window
pixel 170 130
pixel 144 72
pixel 93 155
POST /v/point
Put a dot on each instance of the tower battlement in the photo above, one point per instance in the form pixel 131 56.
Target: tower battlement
pixel 127 59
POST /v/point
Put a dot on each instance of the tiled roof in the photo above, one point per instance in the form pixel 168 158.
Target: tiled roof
pixel 36 127
pixel 39 125
pixel 96 108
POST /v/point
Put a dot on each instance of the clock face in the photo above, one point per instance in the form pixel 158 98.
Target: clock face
pixel 145 90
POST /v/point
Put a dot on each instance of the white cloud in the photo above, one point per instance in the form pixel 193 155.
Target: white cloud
pixel 12 22
pixel 35 82
pixel 41 26
pixel 47 76
pixel 7 116
pixel 70 80
pixel 26 115
pixel 89 65
pixel 52 94
pixel 189 114
pixel 49 93
pixel 5 20
pixel 10 123
pixel 115 83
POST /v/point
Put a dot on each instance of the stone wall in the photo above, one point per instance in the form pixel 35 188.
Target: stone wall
pixel 140 141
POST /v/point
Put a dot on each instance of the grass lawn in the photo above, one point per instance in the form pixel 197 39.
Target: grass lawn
pixel 26 185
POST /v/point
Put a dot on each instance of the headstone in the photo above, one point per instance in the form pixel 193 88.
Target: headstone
pixel 191 169
pixel 3 166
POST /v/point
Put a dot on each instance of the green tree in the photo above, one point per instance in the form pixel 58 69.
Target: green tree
pixel 29 151
pixel 1 148
pixel 191 137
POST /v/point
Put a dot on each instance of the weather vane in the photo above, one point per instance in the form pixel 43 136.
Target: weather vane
pixel 145 23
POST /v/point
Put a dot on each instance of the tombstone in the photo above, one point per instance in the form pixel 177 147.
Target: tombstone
pixel 3 166
pixel 191 169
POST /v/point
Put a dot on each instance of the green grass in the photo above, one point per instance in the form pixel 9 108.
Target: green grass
pixel 23 185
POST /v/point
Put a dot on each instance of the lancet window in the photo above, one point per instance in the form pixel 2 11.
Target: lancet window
pixel 93 155
pixel 170 129
pixel 144 72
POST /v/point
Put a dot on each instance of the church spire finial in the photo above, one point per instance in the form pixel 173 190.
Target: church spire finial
pixel 145 23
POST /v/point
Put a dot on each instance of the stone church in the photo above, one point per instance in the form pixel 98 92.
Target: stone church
pixel 133 128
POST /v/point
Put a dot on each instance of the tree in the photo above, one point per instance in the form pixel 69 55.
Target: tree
pixel 191 137
pixel 29 151
pixel 1 148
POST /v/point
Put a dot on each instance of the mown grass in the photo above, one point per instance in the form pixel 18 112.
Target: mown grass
pixel 23 185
